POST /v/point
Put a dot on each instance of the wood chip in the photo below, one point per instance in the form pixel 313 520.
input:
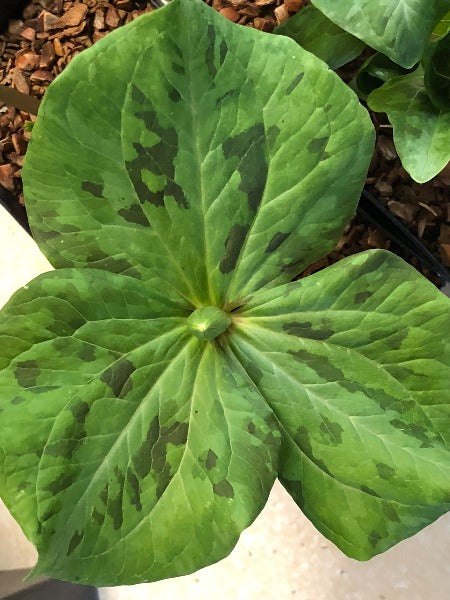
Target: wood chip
pixel 230 13
pixel 6 176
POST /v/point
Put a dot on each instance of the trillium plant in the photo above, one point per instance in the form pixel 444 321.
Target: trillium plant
pixel 408 78
pixel 181 173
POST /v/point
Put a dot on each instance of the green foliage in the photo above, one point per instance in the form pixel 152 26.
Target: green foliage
pixel 398 28
pixel 316 33
pixel 375 71
pixel 437 74
pixel 181 172
pixel 421 130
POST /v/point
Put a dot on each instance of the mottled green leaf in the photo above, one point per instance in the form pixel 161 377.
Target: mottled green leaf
pixel 353 363
pixel 315 32
pixel 149 399
pixel 130 451
pixel 398 28
pixel 421 130
pixel 437 74
pixel 205 159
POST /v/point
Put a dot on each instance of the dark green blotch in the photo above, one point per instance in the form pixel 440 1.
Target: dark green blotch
pixel 276 241
pixel 223 50
pixel 80 411
pixel 368 490
pixel 60 484
pixel 17 400
pixel 211 460
pixel 142 460
pixel 96 189
pixel 74 542
pixel 251 428
pixel 294 83
pixel 226 95
pixel 319 364
pixel 361 297
pixel 114 507
pixel 374 538
pixel 174 94
pixel 390 512
pixel 417 431
pixel 87 353
pixel 306 330
pixel 224 489
pixel 26 373
pixel 272 133
pixel 317 145
pixel 209 53
pixel 233 246
pixel 117 376
pixel 385 471
pixel 249 147
pixel 135 490
pixel 103 496
pixel 134 214
pixel 98 517
pixel 178 69
pixel 332 429
pixel 395 340
pixel 304 441
pixel 158 159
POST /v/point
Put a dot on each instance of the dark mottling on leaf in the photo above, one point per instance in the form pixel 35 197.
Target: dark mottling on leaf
pixel 224 489
pixel 374 538
pixel 302 437
pixel 87 353
pixel 134 214
pixel 251 428
pixel 174 94
pixel 158 159
pixel 117 375
pixel 332 429
pixel 96 189
pixel 74 542
pixel 306 330
pixel 226 95
pixel 98 517
pixel 17 400
pixel 294 83
pixel 249 147
pixel 395 340
pixel 79 411
pixel 272 133
pixel 211 460
pixel 209 53
pixel 135 490
pixel 103 496
pixel 114 506
pixel 223 51
pixel 276 241
pixel 321 365
pixel 390 512
pixel 317 145
pixel 385 471
pixel 27 372
pixel 178 69
pixel 368 490
pixel 417 431
pixel 60 484
pixel 233 246
pixel 361 297
pixel 142 460
pixel 173 48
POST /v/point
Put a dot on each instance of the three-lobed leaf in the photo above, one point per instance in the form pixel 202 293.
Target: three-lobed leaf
pixel 398 28
pixel 421 130
pixel 147 407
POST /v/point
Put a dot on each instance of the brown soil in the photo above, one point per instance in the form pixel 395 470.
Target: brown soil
pixel 36 49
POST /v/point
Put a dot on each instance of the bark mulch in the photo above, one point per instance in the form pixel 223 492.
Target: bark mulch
pixel 36 48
